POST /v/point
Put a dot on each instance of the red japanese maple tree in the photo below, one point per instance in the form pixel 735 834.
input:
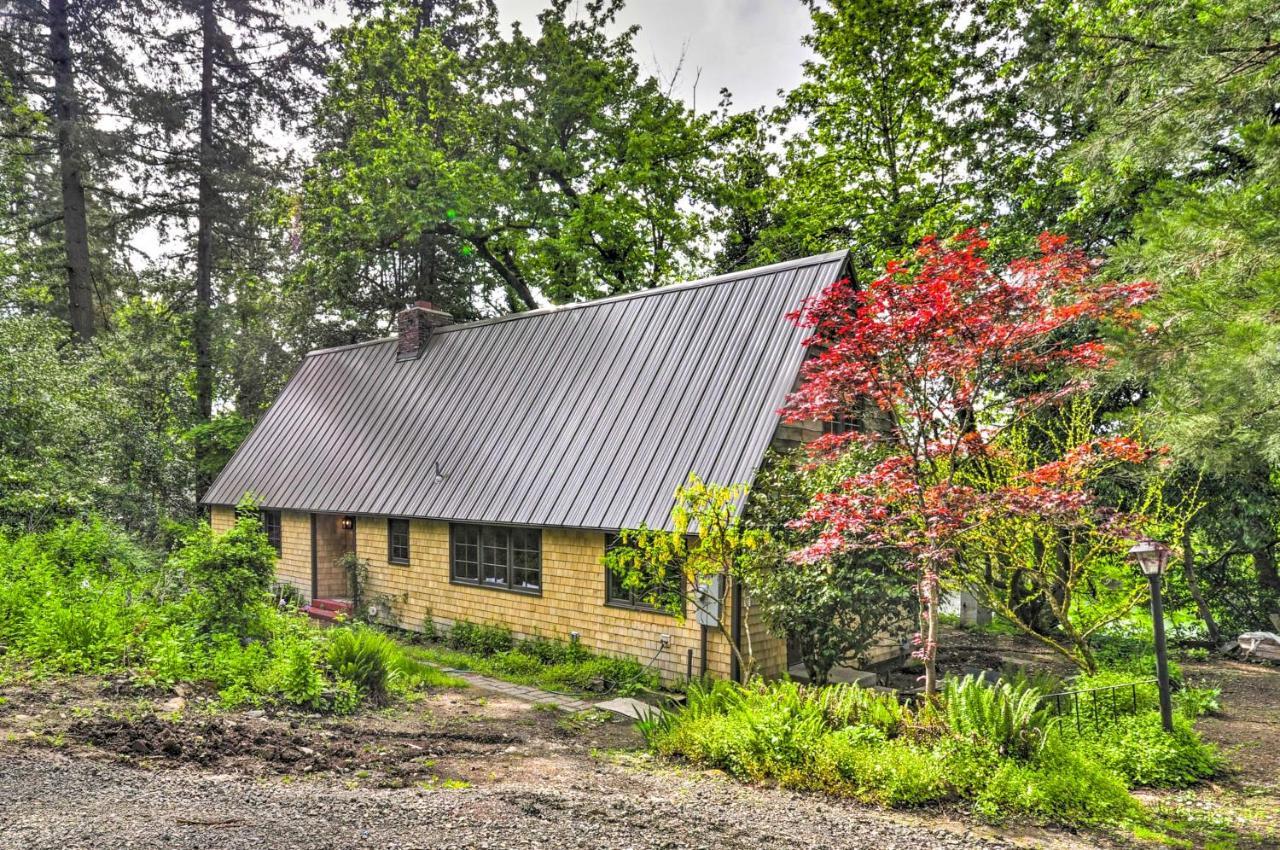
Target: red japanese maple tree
pixel 940 353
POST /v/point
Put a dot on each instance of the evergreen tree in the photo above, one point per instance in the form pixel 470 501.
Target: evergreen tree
pixel 64 70
pixel 232 73
pixel 1177 167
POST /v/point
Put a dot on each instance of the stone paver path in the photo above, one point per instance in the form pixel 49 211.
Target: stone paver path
pixel 630 707
pixel 522 692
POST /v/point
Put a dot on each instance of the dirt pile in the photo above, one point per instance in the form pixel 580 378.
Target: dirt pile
pixel 266 746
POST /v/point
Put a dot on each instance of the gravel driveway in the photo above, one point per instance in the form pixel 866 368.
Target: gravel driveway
pixel 52 800
pixel 82 766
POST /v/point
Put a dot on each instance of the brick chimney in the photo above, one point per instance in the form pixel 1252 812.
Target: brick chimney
pixel 414 325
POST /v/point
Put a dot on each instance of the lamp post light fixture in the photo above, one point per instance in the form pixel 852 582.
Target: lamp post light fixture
pixel 1152 557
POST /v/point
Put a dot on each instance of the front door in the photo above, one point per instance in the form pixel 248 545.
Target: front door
pixel 331 541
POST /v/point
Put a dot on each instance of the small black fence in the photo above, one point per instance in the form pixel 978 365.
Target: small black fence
pixel 1090 708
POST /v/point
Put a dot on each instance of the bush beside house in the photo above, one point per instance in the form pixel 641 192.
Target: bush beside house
pixel 83 598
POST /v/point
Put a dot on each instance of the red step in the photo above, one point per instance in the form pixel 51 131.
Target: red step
pixel 340 605
pixel 327 610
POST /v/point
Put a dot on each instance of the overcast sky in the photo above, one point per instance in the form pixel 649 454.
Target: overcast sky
pixel 751 47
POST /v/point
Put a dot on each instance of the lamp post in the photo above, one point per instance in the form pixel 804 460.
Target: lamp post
pixel 1152 557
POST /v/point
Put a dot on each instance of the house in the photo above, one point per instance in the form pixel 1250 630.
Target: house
pixel 480 468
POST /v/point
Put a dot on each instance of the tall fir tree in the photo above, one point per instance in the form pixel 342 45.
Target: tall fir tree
pixel 232 74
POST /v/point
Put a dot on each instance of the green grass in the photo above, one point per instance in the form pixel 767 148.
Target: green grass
pixel 536 662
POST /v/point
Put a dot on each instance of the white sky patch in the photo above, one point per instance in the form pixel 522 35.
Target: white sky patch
pixel 751 47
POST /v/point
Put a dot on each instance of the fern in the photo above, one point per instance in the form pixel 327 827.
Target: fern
pixel 367 659
pixel 1008 716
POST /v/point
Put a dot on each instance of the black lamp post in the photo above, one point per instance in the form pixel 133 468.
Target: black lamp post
pixel 1152 557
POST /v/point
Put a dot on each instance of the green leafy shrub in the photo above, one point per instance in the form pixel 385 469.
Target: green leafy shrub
pixel 342 697
pixel 413 673
pixel 707 740
pixel 70 597
pixel 228 575
pixel 848 705
pixel 895 772
pixel 479 638
pixel 1059 785
pixel 994 746
pixel 1129 666
pixel 82 629
pixel 1045 681
pixel 1138 749
pixel 1008 717
pixel 515 664
pixel 1131 694
pixel 82 598
pixel 169 656
pixel 301 682
pixel 548 651
pixel 540 662
pixel 429 632
pixel 1197 702
pixel 968 765
pixel 598 674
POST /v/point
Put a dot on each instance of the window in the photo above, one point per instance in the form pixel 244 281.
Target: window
pixel 841 423
pixel 466 553
pixel 659 598
pixel 270 521
pixel 497 556
pixel 398 541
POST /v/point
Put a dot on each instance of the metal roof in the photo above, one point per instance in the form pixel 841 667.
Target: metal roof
pixel 588 415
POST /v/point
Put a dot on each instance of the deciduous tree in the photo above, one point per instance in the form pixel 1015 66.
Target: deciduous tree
pixel 697 563
pixel 525 170
pixel 934 346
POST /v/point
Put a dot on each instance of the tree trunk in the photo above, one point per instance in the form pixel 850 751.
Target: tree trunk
pixel 75 227
pixel 929 594
pixel 202 324
pixel 1189 573
pixel 1264 563
pixel 507 272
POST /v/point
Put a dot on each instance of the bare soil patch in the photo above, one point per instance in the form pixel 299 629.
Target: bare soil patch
pixel 1248 728
pixel 460 736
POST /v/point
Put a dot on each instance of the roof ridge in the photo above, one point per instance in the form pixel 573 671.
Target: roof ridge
pixel 728 277
pixel 772 268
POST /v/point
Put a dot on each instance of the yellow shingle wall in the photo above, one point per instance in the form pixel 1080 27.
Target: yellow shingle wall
pixel 294 564
pixel 572 597
pixel 769 652
pixel 221 519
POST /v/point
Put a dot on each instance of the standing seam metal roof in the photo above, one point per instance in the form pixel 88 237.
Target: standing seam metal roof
pixel 585 416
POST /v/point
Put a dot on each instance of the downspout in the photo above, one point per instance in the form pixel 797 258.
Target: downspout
pixel 735 668
pixel 315 567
